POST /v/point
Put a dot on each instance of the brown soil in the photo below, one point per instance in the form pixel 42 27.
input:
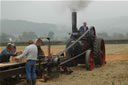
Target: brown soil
pixel 116 57
pixel 108 56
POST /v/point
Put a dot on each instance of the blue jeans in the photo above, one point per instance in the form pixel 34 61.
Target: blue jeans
pixel 30 69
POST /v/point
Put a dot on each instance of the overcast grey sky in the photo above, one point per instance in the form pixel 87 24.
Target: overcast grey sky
pixel 57 12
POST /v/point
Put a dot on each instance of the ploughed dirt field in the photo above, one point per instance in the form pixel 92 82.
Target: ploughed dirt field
pixel 115 72
pixel 113 51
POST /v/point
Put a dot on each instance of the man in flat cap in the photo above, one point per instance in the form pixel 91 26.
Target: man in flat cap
pixel 84 27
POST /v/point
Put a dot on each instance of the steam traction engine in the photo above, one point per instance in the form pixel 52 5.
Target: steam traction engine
pixel 84 48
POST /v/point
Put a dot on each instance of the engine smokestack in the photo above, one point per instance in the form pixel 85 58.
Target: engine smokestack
pixel 74 22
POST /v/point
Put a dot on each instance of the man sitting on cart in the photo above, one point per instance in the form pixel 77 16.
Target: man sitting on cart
pixel 6 53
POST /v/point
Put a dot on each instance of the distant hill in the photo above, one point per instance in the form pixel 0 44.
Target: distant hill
pixel 17 27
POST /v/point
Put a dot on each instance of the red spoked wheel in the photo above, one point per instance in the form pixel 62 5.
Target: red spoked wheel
pixel 89 60
pixel 99 51
pixel 102 53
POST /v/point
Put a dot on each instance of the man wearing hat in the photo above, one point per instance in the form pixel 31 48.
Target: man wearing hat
pixel 6 53
pixel 84 27
pixel 31 56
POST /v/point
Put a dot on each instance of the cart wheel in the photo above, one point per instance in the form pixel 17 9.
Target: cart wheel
pixel 89 60
pixel 99 52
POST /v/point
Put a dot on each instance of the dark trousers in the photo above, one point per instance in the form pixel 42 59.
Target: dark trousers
pixel 30 68
pixel 4 58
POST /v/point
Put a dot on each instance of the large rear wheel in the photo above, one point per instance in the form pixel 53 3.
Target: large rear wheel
pixel 92 33
pixel 99 51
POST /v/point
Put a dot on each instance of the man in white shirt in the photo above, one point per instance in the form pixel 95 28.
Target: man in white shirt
pixel 31 56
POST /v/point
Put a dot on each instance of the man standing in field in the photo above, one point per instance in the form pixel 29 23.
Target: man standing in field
pixel 31 56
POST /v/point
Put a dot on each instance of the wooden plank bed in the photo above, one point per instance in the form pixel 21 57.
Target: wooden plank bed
pixel 8 64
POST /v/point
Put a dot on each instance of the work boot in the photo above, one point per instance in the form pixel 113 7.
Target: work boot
pixel 33 82
pixel 28 82
pixel 46 77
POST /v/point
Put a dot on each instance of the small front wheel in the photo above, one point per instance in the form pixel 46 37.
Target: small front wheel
pixel 89 60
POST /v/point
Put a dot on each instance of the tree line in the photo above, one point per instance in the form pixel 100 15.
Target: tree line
pixel 114 36
pixel 25 36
